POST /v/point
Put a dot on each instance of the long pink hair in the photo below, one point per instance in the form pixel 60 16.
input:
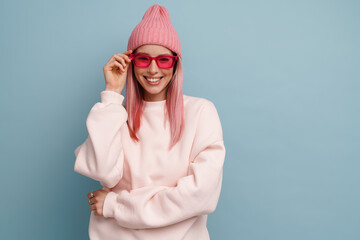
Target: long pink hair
pixel 174 106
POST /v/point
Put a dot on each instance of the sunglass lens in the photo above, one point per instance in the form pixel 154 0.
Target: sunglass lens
pixel 142 61
pixel 165 62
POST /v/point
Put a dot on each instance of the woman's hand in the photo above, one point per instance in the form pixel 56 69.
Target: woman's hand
pixel 96 201
pixel 115 71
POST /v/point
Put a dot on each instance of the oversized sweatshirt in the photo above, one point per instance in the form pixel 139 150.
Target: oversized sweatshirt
pixel 155 193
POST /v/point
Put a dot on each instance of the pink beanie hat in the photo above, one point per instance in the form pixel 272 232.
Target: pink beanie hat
pixel 155 28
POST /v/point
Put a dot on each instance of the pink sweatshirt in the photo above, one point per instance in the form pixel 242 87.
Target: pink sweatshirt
pixel 155 193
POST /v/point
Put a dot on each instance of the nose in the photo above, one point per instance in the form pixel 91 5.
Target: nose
pixel 153 68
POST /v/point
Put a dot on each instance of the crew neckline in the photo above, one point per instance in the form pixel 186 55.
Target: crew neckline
pixel 154 103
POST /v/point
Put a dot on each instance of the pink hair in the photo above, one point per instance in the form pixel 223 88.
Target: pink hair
pixel 174 104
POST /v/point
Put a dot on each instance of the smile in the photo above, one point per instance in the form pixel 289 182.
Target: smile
pixel 153 79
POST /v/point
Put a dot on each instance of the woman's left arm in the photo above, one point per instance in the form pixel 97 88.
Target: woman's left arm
pixel 194 195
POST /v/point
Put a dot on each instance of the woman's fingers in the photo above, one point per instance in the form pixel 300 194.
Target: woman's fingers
pixel 92 202
pixel 114 62
pixel 91 194
pixel 92 207
pixel 120 59
pixel 96 200
pixel 121 67
pixel 124 56
pixel 123 60
pixel 128 52
pixel 96 208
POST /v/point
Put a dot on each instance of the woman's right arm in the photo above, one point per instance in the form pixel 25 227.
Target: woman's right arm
pixel 101 156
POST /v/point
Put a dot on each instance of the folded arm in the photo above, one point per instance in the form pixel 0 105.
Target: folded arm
pixel 194 195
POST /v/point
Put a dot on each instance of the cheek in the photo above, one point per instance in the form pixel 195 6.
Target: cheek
pixel 168 73
pixel 138 72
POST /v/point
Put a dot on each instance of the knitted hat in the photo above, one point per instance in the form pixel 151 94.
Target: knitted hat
pixel 155 28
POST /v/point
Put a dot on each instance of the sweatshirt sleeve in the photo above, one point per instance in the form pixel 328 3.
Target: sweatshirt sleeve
pixel 101 156
pixel 194 195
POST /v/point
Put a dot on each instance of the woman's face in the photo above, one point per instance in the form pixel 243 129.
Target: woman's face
pixel 153 91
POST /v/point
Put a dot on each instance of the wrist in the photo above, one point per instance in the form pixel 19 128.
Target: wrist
pixel 113 89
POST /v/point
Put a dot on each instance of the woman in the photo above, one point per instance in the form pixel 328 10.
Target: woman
pixel 159 156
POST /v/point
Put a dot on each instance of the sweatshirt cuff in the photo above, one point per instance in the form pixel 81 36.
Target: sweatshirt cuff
pixel 109 205
pixel 108 96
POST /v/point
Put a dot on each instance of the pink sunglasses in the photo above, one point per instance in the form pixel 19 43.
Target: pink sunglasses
pixel 162 61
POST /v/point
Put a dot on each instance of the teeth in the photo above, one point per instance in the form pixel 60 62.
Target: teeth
pixel 153 79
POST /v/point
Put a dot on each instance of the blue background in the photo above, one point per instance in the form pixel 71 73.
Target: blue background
pixel 284 76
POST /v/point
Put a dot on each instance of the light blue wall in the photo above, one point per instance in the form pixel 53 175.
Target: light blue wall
pixel 284 76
